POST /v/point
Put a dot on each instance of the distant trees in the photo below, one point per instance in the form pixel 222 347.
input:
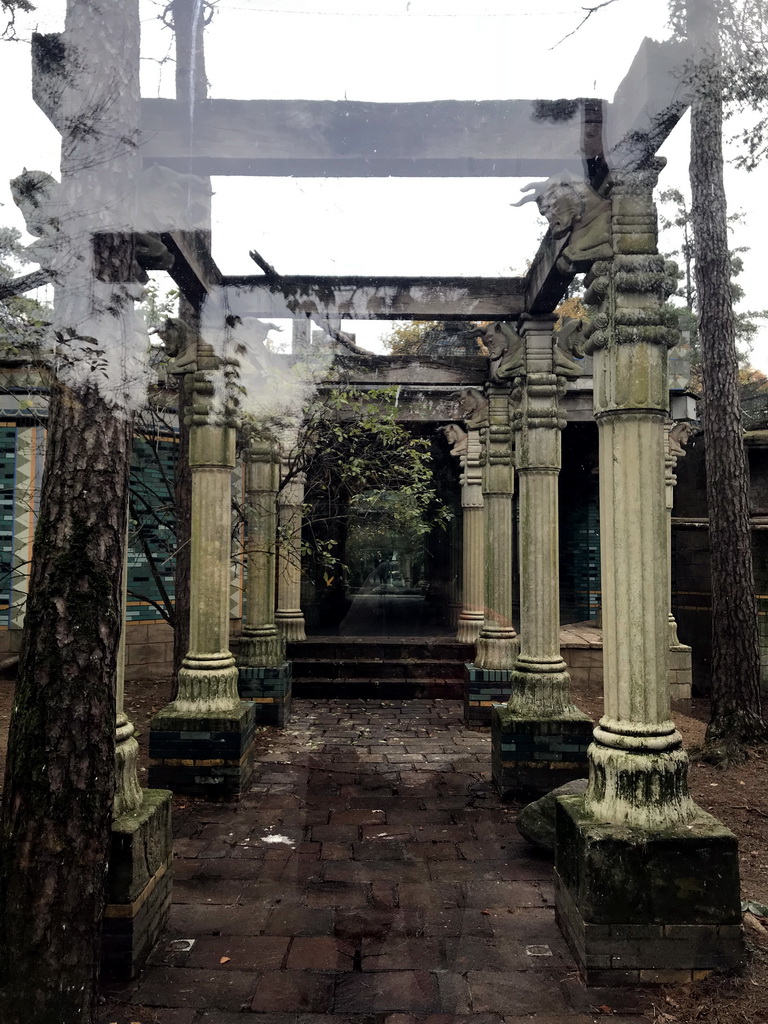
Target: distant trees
pixel 433 338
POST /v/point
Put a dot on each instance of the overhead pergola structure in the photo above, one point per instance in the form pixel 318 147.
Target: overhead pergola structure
pixel 646 881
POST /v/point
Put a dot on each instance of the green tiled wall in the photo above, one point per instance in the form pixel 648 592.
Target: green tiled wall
pixel 152 470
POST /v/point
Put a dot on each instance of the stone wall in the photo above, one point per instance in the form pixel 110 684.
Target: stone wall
pixel 148 650
pixel 691 581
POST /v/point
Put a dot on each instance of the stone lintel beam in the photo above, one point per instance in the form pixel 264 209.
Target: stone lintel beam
pixel 325 138
pixel 376 298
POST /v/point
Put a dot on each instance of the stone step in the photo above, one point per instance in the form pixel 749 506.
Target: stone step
pixel 379 668
pixel 374 649
pixel 357 688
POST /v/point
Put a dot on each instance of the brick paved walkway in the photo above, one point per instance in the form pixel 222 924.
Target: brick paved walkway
pixel 371 876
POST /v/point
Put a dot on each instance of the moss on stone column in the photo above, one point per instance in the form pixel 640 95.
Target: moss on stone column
pixel 497 645
pixel 539 741
pixel 290 507
pixel 264 674
pixel 637 831
pixel 201 743
pixel 472 524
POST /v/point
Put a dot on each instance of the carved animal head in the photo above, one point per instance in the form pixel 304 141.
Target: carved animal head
pixel 497 337
pixel 562 200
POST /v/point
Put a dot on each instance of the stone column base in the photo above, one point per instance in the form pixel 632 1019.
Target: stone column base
pixel 680 672
pixel 269 690
pixel 138 887
pixel 484 687
pixel 641 907
pixel 203 756
pixel 531 756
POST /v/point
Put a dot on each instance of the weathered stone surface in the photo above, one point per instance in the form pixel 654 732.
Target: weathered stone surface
pixel 141 844
pixel 536 823
pixel 639 906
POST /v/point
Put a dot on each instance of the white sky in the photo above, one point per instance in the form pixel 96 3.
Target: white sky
pixel 390 50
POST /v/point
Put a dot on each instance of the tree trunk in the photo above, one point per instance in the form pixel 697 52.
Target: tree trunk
pixel 57 798
pixel 736 716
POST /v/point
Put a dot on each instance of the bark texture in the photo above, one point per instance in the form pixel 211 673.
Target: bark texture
pixel 57 798
pixel 736 708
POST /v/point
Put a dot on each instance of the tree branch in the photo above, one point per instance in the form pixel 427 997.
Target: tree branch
pixel 589 12
pixel 24 283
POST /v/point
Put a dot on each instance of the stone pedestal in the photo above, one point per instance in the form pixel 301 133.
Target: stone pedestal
pixel 201 744
pixel 532 756
pixel 483 689
pixel 139 882
pixel 539 741
pixel 139 877
pixel 269 689
pixel 638 907
pixel 641 869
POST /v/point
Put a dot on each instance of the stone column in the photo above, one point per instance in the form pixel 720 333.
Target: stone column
pixel 680 671
pixel 497 646
pixel 264 675
pixel 647 884
pixel 539 740
pixel 202 742
pixel 473 556
pixel 290 505
pixel 128 794
pixel 138 890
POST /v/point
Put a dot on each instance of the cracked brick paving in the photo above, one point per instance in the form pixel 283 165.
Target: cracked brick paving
pixel 371 875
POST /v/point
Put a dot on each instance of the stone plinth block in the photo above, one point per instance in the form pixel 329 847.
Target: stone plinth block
pixel 531 755
pixel 210 757
pixel 138 891
pixel 680 672
pixel 269 690
pixel 483 688
pixel 639 906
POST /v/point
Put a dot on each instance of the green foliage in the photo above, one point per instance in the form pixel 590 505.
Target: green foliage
pixel 23 321
pixel 676 219
pixel 743 43
pixel 359 460
pixel 432 338
pixel 158 305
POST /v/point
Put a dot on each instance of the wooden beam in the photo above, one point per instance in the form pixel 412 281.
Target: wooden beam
pixel 306 138
pixel 376 298
pixel 194 270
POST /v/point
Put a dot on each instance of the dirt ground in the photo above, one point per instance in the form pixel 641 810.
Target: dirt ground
pixel 737 796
